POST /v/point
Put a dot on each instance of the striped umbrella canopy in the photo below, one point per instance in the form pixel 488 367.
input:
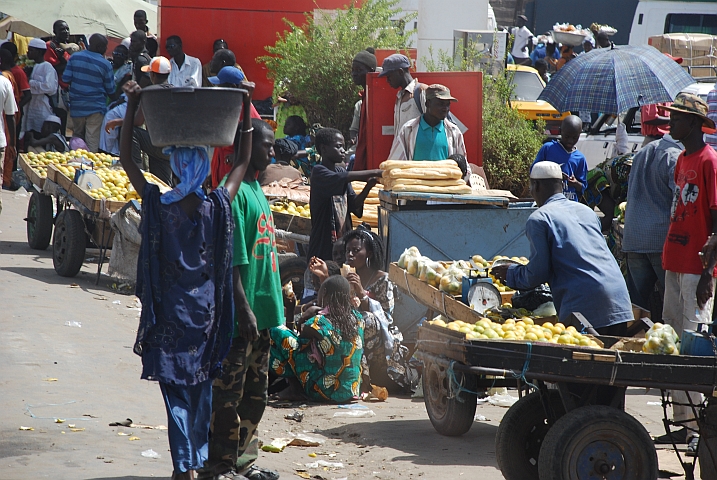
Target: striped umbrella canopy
pixel 613 80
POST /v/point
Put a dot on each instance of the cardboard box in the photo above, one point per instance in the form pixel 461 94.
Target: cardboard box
pixel 698 51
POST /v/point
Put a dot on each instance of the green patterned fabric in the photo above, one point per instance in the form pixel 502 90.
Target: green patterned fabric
pixel 328 369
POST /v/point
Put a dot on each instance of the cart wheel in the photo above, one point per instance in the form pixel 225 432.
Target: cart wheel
pixel 597 442
pixel 292 269
pixel 450 416
pixel 39 221
pixel 68 247
pixel 520 436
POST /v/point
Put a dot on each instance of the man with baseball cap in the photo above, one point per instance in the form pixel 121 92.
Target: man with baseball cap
pixel 159 69
pixel 430 136
pixel 568 251
pixel 43 83
pixel 410 99
pixel 689 281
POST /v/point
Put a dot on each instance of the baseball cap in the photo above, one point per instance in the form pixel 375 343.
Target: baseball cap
pixel 228 74
pixel 676 59
pixel 394 62
pixel 159 65
pixel 546 170
pixel 37 43
pixel 440 92
pixel 688 103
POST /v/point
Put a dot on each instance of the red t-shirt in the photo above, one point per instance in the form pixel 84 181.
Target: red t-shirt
pixel 220 167
pixel 691 221
pixel 20 78
pixel 55 55
pixel 650 112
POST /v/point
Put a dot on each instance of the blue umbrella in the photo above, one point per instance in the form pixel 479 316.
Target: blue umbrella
pixel 613 80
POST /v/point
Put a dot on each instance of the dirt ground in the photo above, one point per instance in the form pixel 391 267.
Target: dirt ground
pixel 88 376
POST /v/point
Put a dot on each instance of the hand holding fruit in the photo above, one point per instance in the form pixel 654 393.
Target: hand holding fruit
pixel 355 282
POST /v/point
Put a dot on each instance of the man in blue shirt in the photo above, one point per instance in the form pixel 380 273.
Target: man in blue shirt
pixel 647 217
pixel 571 161
pixel 568 251
pixel 91 81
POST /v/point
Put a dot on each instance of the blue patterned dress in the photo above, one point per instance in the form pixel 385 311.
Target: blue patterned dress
pixel 184 280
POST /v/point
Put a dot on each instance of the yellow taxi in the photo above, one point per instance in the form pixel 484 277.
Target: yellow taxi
pixel 527 87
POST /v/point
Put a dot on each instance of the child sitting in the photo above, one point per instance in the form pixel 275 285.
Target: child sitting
pixel 323 362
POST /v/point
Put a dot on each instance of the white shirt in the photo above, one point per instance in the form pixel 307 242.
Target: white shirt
pixel 7 101
pixel 43 82
pixel 520 44
pixel 408 110
pixel 190 75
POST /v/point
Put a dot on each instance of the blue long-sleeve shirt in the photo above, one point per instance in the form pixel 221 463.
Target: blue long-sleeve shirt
pixel 571 163
pixel 568 251
pixel 91 80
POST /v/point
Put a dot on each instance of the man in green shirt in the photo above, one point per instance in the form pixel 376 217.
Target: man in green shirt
pixel 240 393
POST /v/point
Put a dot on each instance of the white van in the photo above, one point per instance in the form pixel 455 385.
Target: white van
pixel 655 17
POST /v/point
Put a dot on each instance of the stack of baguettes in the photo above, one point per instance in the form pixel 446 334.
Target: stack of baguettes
pixel 442 176
pixel 370 205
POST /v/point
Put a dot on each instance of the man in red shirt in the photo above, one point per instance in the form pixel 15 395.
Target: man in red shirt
pixel 689 284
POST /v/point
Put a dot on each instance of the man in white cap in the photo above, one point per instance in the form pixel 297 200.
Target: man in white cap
pixel 568 251
pixel 43 82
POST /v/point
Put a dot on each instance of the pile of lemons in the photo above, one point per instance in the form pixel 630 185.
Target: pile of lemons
pixel 116 187
pixel 517 329
pixel 40 161
pixel 291 208
pixel 479 260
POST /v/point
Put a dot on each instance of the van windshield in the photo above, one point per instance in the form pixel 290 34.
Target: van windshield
pixel 691 23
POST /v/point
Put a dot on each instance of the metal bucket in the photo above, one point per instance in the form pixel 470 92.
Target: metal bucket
pixel 192 116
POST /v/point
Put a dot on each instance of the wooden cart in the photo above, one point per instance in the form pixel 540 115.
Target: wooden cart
pixel 576 428
pixel 79 221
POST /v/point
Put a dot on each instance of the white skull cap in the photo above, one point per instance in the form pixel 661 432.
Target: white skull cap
pixel 546 170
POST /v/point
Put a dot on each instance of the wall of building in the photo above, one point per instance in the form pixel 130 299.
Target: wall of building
pixel 246 25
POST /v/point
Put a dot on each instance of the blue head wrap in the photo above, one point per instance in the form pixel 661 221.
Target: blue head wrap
pixel 191 165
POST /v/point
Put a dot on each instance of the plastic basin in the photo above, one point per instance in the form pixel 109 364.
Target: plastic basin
pixel 191 116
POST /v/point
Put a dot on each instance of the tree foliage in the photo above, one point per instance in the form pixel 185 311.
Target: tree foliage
pixel 313 61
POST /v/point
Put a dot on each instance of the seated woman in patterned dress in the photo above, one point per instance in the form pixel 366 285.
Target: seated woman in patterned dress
pixel 385 358
pixel 323 362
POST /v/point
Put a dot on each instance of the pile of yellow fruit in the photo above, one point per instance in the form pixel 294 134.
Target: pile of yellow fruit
pixel 116 186
pixel 479 260
pixel 40 161
pixel 291 208
pixel 516 329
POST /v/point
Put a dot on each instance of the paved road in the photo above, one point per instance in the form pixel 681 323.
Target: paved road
pixel 89 377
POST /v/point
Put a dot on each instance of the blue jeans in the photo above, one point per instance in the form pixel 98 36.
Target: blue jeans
pixel 189 411
pixel 643 271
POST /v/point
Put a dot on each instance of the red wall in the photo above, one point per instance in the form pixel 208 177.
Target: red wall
pixel 246 25
pixel 467 87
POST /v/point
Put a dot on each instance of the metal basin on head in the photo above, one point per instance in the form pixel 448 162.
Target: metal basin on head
pixel 186 116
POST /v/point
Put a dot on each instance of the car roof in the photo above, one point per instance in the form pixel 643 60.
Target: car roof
pixel 700 89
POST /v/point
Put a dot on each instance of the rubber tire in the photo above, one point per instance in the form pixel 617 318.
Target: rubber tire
pixel 68 246
pixel 566 450
pixel 521 434
pixel 39 221
pixel 293 269
pixel 450 417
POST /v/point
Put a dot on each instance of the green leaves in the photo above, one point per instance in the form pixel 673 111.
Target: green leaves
pixel 313 61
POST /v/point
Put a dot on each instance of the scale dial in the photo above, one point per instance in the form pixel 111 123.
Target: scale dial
pixel 483 296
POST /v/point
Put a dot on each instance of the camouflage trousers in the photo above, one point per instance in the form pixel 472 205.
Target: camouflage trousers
pixel 238 401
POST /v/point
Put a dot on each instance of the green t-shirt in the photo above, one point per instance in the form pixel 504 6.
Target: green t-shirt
pixel 255 255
